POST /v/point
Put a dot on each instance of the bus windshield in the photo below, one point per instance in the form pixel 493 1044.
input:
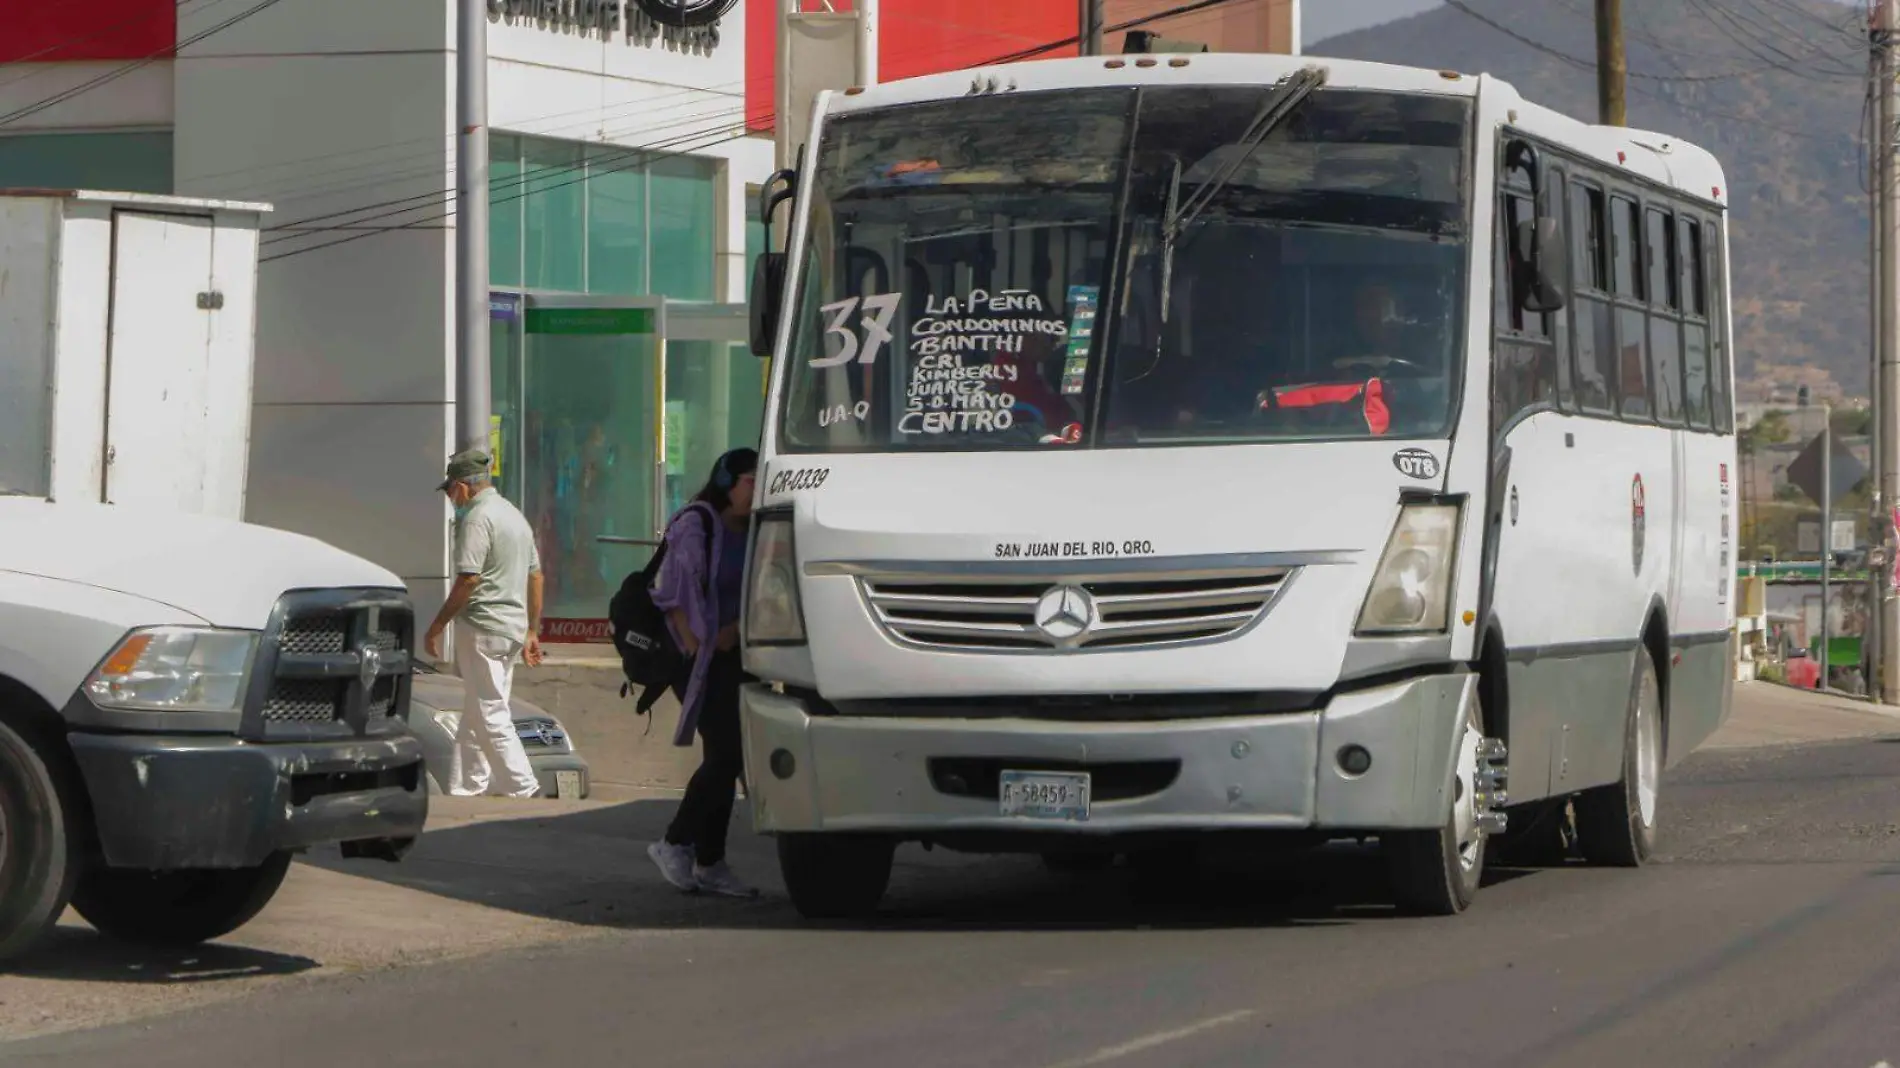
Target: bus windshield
pixel 1000 272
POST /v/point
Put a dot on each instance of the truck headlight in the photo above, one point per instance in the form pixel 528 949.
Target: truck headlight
pixel 774 615
pixel 175 669
pixel 1411 591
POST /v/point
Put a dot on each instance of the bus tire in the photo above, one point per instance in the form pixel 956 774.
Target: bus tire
pixel 39 844
pixel 1616 824
pixel 175 909
pixel 1438 872
pixel 835 876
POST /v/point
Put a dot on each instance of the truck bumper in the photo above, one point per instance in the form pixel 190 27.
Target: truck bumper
pixel 166 802
pixel 922 776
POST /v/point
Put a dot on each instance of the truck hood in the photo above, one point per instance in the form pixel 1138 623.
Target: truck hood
pixel 229 574
pixel 1169 502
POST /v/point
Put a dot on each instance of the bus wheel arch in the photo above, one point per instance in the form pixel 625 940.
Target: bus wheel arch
pixel 1656 643
pixel 1617 823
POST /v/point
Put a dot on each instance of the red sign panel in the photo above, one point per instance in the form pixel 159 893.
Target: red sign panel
pixel 915 37
pixel 42 32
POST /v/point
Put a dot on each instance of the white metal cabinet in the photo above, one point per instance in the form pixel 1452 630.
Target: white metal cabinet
pixel 132 323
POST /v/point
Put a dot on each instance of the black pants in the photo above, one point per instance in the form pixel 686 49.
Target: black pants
pixel 706 810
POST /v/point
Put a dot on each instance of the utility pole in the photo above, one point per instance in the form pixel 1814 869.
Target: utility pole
pixel 1612 69
pixel 1886 277
pixel 1091 23
pixel 1827 530
pixel 472 397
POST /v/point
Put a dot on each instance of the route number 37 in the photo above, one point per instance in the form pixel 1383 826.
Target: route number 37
pixel 841 340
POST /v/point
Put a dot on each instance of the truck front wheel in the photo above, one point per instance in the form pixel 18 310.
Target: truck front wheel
pixel 177 908
pixel 39 861
pixel 835 876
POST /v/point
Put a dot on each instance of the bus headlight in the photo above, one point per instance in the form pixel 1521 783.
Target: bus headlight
pixel 175 669
pixel 1411 591
pixel 774 615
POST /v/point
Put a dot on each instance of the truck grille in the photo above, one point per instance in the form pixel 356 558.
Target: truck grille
pixel 1002 614
pixel 312 678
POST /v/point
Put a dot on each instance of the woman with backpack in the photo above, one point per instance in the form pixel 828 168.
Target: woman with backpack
pixel 699 587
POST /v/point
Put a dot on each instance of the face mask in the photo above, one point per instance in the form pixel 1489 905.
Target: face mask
pixel 461 510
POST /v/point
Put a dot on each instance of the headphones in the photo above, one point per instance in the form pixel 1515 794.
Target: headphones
pixel 722 469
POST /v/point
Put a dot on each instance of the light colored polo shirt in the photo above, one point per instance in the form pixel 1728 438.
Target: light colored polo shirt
pixel 494 541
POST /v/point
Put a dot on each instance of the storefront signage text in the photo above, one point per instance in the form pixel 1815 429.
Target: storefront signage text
pixel 606 20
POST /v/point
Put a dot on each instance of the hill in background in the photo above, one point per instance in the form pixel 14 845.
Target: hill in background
pixel 1775 88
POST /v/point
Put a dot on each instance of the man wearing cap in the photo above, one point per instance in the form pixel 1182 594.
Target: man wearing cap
pixel 496 605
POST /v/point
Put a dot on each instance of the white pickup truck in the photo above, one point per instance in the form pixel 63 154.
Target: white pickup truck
pixel 186 702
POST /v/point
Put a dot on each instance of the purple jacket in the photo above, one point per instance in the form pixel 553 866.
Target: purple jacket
pixel 685 582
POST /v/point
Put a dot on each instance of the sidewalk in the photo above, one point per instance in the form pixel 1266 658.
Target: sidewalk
pixel 493 875
pixel 1766 713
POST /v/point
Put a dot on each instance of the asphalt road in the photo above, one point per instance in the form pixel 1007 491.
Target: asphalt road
pixel 1767 934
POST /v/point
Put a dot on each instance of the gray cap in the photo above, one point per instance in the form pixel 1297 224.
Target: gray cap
pixel 466 464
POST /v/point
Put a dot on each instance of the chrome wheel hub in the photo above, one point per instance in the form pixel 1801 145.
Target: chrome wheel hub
pixel 1648 751
pixel 1478 793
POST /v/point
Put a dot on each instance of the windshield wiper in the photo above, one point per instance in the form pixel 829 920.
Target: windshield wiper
pixel 1287 95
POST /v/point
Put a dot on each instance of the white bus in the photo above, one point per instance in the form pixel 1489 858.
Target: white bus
pixel 1161 445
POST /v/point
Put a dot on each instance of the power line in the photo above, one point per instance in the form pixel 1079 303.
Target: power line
pixel 646 156
pixel 725 117
pixel 1583 64
pixel 120 72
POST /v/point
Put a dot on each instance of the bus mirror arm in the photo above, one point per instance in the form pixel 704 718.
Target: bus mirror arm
pixel 771 195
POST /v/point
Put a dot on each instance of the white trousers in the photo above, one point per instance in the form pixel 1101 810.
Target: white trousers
pixel 486 740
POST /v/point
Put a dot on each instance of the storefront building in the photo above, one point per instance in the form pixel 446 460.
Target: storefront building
pixel 624 163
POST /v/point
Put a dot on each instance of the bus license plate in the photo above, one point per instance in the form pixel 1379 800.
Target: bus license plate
pixel 1045 795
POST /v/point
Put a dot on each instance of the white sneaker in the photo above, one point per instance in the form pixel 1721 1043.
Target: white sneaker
pixel 675 863
pixel 720 880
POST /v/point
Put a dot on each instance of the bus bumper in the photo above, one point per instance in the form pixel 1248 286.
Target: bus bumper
pixel 916 777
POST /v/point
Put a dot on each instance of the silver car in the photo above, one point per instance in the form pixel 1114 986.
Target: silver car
pixel 435 712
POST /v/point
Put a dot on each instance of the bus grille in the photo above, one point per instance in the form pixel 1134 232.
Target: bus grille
pixel 1001 614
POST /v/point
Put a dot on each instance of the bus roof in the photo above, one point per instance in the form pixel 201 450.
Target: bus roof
pixel 1658 157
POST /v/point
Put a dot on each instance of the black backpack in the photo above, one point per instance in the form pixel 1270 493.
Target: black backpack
pixel 648 655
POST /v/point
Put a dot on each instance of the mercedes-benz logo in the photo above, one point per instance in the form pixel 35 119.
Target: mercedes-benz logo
pixel 1065 613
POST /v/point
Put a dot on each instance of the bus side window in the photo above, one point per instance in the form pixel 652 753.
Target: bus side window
pixel 1632 316
pixel 1665 330
pixel 1524 359
pixel 1594 369
pixel 1695 325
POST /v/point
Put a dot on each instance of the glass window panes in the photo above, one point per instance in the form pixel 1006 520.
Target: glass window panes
pixel 616 226
pixel 1588 225
pixel 555 216
pixel 1695 296
pixel 131 162
pixel 1660 257
pixel 1625 254
pixel 681 225
pixel 1596 356
pixel 504 211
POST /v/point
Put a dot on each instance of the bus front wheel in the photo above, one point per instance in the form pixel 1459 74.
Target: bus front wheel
pixel 1437 872
pixel 835 876
pixel 1616 824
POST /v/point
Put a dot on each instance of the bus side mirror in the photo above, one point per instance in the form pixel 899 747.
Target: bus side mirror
pixel 1544 264
pixel 768 272
pixel 768 289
